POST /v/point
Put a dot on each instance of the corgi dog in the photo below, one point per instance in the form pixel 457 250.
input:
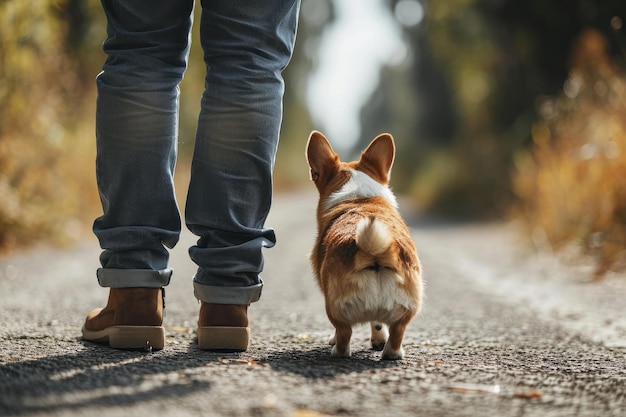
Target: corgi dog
pixel 364 259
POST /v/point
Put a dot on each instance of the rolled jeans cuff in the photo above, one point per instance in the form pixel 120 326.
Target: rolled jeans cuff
pixel 227 295
pixel 133 278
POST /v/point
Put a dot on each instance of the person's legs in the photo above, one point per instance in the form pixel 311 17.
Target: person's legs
pixel 136 131
pixel 246 46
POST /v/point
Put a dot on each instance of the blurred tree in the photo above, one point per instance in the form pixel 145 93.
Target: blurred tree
pixel 478 69
pixel 45 120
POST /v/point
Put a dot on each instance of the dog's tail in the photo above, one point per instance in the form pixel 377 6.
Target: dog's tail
pixel 372 236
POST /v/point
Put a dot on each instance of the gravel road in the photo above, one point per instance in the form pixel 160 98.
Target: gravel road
pixel 504 332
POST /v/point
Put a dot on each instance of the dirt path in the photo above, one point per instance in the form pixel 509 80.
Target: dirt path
pixel 502 333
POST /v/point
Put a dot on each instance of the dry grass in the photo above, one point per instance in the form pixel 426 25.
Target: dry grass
pixel 572 183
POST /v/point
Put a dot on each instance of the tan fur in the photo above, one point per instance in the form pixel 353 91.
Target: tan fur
pixel 364 259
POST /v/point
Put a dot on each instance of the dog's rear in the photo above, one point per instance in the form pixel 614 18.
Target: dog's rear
pixel 364 259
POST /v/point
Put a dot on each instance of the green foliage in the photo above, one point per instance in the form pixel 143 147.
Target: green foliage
pixel 476 182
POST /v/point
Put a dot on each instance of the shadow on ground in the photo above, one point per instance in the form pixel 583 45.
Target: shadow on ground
pixel 316 363
pixel 97 376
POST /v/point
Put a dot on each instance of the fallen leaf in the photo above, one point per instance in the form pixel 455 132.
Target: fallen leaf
pixel 528 394
pixel 226 361
pixel 307 413
pixel 180 329
pixel 475 389
pixel 438 362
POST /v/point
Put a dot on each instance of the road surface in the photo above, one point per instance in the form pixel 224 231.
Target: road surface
pixel 503 332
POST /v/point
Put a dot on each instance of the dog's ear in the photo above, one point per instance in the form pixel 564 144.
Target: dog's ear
pixel 378 157
pixel 321 157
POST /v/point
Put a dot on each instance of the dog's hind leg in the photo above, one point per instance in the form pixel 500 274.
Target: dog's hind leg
pixel 380 334
pixel 393 348
pixel 341 347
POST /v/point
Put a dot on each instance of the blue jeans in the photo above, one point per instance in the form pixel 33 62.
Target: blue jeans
pixel 246 46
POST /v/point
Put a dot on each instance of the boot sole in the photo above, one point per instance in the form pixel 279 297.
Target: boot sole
pixel 129 337
pixel 223 339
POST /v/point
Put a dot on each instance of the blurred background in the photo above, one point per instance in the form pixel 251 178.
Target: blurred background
pixel 501 109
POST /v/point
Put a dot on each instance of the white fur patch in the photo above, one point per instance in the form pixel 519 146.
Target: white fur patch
pixel 360 185
pixel 379 297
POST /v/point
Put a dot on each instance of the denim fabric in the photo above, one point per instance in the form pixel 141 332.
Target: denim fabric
pixel 246 46
pixel 118 278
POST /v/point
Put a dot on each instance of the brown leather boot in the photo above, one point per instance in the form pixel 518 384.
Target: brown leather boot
pixel 223 327
pixel 132 319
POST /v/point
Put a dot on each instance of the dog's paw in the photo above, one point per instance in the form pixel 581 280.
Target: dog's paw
pixel 333 340
pixel 392 355
pixel 377 345
pixel 337 353
pixel 380 334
